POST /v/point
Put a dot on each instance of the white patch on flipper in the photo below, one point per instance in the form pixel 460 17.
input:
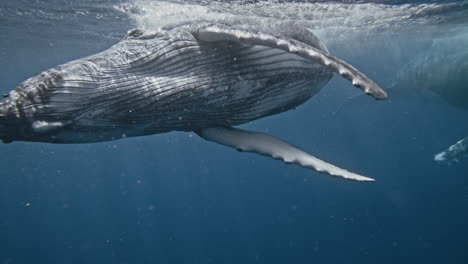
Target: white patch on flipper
pixel 440 157
pixel 41 126
pixel 272 147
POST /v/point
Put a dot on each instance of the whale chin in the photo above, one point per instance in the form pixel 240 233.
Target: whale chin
pixel 7 130
pixel 6 125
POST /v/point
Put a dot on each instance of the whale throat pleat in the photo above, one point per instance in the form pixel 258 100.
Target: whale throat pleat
pixel 184 85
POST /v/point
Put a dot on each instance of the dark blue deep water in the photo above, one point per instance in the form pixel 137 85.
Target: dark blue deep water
pixel 175 198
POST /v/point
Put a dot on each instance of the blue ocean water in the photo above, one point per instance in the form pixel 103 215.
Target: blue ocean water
pixel 175 198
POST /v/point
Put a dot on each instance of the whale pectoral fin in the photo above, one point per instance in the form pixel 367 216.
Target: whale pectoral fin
pixel 215 33
pixel 454 153
pixel 270 146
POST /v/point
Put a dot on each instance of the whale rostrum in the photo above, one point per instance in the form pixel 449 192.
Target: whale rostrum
pixel 199 77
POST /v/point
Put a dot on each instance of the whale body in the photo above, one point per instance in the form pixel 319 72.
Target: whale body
pixel 197 77
pixel 442 69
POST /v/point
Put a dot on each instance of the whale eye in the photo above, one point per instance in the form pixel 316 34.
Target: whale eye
pixel 135 33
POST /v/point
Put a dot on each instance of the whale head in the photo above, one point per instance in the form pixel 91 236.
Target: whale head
pixel 20 109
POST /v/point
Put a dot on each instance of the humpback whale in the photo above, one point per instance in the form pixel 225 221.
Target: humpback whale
pixel 200 77
pixel 442 69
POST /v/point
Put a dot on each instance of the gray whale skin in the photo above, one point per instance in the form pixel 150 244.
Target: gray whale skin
pixel 198 77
